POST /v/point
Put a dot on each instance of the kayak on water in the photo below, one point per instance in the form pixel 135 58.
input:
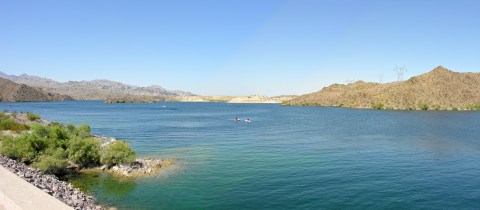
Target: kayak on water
pixel 238 120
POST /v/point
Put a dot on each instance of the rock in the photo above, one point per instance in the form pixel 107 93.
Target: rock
pixel 48 191
pixel 50 184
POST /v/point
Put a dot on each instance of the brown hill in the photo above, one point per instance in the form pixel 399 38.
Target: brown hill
pixel 438 89
pixel 95 89
pixel 13 92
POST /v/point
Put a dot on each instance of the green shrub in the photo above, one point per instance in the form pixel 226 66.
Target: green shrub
pixel 117 153
pixel 377 105
pixel 32 117
pixel 59 153
pixel 51 165
pixel 70 129
pixel 423 106
pixel 84 152
pixel 4 116
pixel 83 131
pixel 58 132
pixel 40 131
pixel 8 123
pixel 455 109
pixel 23 148
pixel 473 106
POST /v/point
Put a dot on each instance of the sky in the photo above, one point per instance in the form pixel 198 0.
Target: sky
pixel 237 47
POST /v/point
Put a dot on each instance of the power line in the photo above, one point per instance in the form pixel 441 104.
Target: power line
pixel 400 70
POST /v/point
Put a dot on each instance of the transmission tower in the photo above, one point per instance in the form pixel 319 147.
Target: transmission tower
pixel 399 70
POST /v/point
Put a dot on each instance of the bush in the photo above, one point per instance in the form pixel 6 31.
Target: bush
pixel 49 147
pixel 23 148
pixel 51 165
pixel 57 132
pixel 83 131
pixel 32 117
pixel 10 124
pixel 39 130
pixel 84 152
pixel 473 106
pixel 423 106
pixel 117 153
pixel 377 105
pixel 7 123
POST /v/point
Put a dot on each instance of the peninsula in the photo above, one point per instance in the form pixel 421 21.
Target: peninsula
pixel 38 151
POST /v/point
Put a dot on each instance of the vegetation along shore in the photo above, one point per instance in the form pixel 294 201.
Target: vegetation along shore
pixel 39 151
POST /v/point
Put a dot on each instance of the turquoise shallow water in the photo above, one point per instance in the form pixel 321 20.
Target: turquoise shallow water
pixel 287 158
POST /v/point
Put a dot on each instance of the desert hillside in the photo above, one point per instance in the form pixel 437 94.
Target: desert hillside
pixel 93 90
pixel 439 89
pixel 13 92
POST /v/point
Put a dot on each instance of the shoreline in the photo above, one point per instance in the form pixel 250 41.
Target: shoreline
pixel 43 189
pixel 64 191
pixel 17 194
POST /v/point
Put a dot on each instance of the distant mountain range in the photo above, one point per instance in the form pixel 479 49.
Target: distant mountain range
pixel 439 89
pixel 93 90
pixel 13 92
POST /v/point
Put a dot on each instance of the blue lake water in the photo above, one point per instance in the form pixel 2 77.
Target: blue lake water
pixel 287 158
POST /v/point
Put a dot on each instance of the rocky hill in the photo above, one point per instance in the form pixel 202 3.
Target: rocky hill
pixel 92 90
pixel 13 92
pixel 439 89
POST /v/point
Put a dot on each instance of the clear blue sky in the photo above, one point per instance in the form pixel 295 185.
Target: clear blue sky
pixel 242 47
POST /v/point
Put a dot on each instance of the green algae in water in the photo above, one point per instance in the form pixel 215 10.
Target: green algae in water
pixel 93 182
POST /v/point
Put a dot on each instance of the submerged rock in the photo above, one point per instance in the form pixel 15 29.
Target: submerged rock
pixel 140 167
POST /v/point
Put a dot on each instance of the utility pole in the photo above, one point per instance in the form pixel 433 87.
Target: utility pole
pixel 349 81
pixel 399 70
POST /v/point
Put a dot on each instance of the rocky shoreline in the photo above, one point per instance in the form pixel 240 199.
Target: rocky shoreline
pixel 50 184
pixel 143 167
pixel 63 191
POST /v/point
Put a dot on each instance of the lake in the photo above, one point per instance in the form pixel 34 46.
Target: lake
pixel 286 158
